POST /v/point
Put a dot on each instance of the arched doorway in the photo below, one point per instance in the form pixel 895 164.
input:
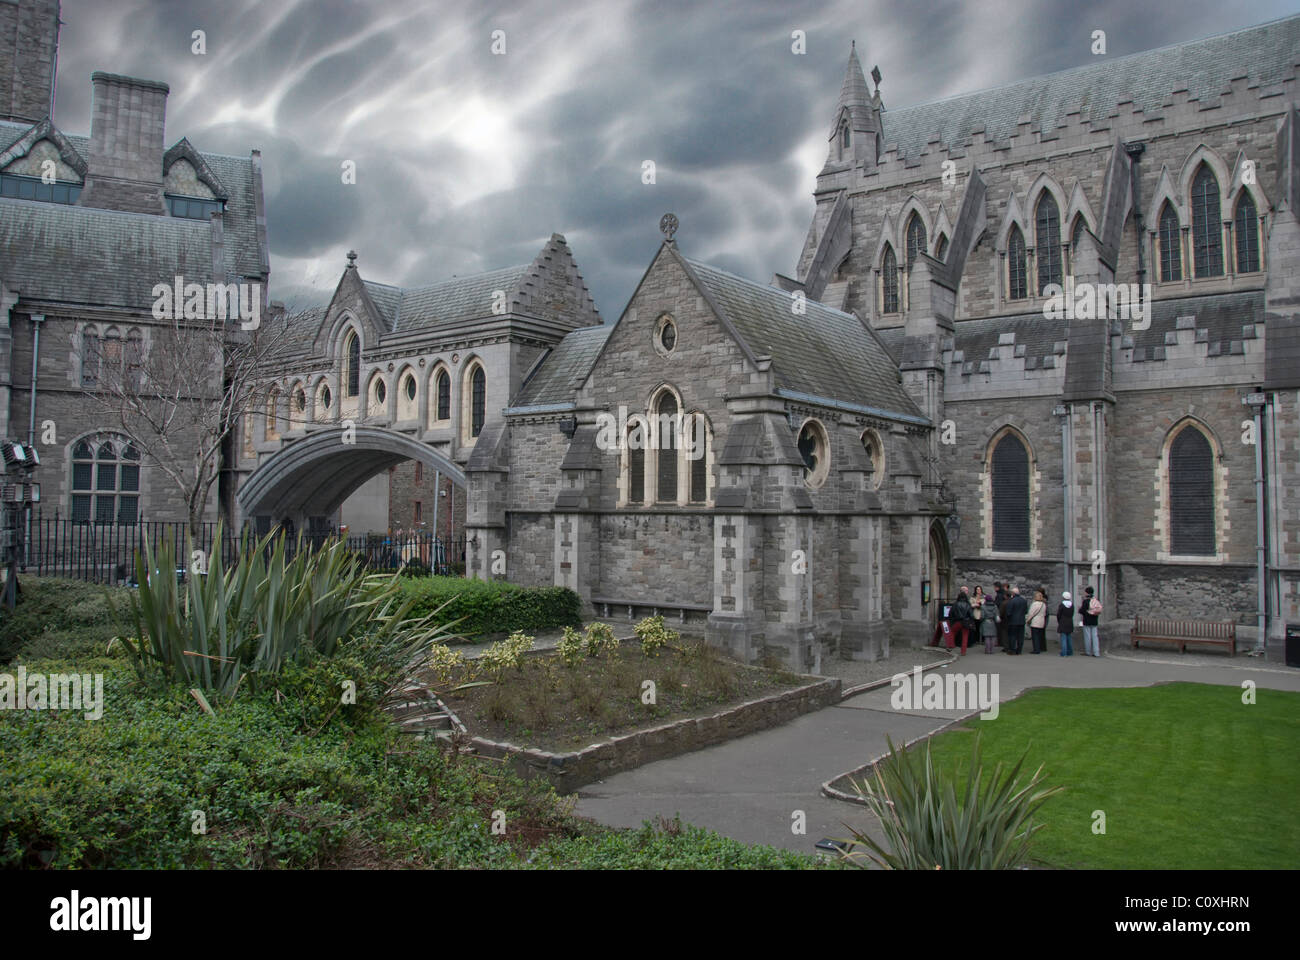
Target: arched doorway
pixel 938 570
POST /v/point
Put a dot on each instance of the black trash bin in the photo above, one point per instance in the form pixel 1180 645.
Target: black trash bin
pixel 1293 644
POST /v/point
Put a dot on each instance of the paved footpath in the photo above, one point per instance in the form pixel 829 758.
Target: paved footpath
pixel 749 788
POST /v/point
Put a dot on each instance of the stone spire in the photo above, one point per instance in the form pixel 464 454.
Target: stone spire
pixel 858 110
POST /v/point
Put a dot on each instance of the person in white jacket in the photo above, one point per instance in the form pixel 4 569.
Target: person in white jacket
pixel 1037 619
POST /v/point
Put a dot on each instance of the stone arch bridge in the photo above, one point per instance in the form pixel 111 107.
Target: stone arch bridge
pixel 311 476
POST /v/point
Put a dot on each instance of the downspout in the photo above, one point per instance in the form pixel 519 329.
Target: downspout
pixel 37 320
pixel 1261 531
pixel 1099 491
pixel 1068 539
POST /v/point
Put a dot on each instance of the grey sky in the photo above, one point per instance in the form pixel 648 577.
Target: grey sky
pixel 469 161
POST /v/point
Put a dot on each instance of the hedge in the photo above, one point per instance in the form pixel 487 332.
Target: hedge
pixel 490 606
pixel 63 618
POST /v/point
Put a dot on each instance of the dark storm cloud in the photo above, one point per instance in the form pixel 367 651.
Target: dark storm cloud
pixel 468 161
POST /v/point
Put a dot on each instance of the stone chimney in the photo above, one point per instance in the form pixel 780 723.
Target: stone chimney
pixel 124 169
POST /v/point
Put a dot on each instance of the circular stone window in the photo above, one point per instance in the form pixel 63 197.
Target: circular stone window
pixel 325 398
pixel 875 458
pixel 665 335
pixel 381 392
pixel 410 388
pixel 815 450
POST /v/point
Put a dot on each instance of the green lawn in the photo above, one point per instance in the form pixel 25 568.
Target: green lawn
pixel 1188 776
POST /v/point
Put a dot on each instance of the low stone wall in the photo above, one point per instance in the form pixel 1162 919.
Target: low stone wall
pixel 569 771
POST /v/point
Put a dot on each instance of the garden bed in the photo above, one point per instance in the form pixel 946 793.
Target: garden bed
pixel 576 724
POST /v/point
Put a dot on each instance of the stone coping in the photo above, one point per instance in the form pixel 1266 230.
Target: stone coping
pixel 569 771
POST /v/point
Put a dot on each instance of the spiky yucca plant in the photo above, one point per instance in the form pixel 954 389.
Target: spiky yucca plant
pixel 268 610
pixel 929 827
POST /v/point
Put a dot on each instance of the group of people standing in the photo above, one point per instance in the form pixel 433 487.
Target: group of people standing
pixel 1001 617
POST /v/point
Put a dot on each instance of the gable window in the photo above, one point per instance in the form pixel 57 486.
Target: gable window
pixel 351 378
pixel 665 335
pixel 1246 228
pixel 1010 481
pixel 1171 246
pixel 941 247
pixel 915 240
pixel 34 188
pixel 889 282
pixel 844 136
pixel 636 441
pixel 105 481
pixel 1017 282
pixel 1191 494
pixel 1047 227
pixel 193 208
pixel 1207 229
pixel 666 448
pixel 697 452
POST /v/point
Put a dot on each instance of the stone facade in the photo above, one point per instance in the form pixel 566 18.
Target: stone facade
pixel 1095 402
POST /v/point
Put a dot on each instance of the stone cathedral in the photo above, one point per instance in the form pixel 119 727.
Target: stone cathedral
pixel 1046 333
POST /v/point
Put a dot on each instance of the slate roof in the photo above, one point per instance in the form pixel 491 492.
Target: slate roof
pixel 1219 319
pixel 1264 54
pixel 822 353
pixel 242 256
pixel 455 300
pixel 58 252
pixel 562 371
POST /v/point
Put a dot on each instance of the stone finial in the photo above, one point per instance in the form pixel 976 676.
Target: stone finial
pixel 352 259
pixel 668 226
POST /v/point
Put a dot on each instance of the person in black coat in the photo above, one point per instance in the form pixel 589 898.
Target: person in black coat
pixel 1065 624
pixel 963 618
pixel 1014 614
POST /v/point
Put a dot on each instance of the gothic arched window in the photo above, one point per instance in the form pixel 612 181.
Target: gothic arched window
pixel 636 441
pixel 351 365
pixel 443 387
pixel 1246 228
pixel 1017 282
pixel 941 247
pixel 1207 228
pixel 666 448
pixel 915 239
pixel 1010 483
pixel 697 452
pixel 272 414
pixel 1191 494
pixel 889 282
pixel 478 401
pixel 105 481
pixel 1047 228
pixel 1076 234
pixel 1171 245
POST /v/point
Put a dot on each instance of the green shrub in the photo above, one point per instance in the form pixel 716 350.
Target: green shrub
pixel 56 617
pixel 929 827
pixel 600 640
pixel 505 654
pixel 489 606
pixel 655 636
pixel 284 778
pixel 571 649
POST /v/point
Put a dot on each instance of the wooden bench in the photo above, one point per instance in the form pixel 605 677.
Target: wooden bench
pixel 1183 632
pixel 604 606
